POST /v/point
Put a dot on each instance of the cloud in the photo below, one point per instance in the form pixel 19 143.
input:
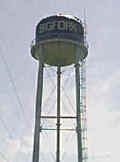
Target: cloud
pixel 12 148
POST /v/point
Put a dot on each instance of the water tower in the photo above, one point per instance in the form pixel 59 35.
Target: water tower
pixel 60 42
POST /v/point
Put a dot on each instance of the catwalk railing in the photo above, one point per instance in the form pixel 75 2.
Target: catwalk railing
pixel 83 111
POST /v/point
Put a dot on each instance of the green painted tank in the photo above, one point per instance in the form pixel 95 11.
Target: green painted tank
pixel 59 41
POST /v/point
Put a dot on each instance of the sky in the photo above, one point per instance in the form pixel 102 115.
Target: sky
pixel 19 76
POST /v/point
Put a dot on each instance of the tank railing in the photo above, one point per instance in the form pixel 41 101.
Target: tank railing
pixel 86 44
pixel 32 43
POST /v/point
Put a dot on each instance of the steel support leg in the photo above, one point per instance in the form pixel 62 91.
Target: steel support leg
pixel 79 138
pixel 58 113
pixel 38 114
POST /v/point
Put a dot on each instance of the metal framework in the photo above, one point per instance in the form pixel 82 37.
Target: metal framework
pixel 80 117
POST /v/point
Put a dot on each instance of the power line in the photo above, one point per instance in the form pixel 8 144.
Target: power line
pixel 5 127
pixel 13 85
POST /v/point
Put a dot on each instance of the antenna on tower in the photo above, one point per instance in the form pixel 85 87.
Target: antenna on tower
pixel 85 26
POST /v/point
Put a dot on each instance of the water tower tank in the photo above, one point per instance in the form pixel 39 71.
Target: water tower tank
pixel 60 37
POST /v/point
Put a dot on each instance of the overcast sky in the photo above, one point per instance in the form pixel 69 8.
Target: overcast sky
pixel 19 73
